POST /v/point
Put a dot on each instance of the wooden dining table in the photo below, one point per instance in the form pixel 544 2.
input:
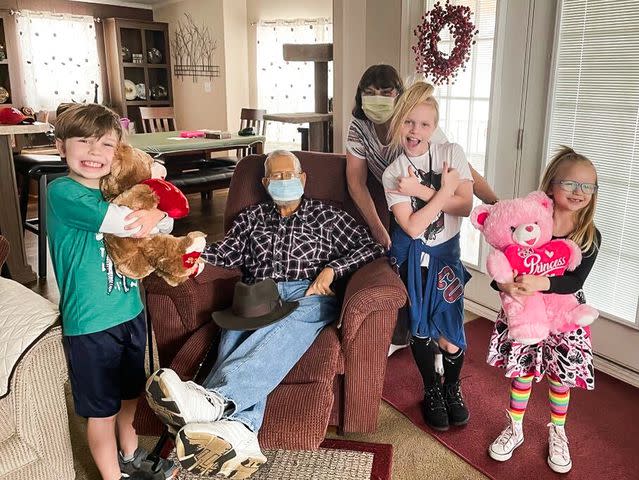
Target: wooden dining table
pixel 10 219
pixel 171 144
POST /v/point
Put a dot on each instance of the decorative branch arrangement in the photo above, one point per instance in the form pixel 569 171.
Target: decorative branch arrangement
pixel 193 48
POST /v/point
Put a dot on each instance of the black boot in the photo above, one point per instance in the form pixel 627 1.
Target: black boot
pixel 434 408
pixel 455 406
pixel 457 411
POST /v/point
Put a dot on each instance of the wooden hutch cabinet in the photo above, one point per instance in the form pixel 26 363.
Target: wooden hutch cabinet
pixel 138 64
pixel 6 92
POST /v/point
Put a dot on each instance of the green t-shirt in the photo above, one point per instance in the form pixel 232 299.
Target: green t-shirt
pixel 93 295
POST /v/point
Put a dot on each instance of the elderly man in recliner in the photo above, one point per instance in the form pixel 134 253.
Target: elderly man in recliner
pixel 301 244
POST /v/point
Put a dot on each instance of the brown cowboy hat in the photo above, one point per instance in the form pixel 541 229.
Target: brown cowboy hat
pixel 254 306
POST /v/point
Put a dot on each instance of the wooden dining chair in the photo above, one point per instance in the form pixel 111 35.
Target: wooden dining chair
pixel 251 117
pixel 158 119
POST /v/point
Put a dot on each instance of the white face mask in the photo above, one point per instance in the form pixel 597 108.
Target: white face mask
pixel 378 108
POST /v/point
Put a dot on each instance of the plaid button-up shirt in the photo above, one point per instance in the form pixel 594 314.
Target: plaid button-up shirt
pixel 266 245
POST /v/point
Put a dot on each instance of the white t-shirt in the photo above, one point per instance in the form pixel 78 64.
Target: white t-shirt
pixel 444 226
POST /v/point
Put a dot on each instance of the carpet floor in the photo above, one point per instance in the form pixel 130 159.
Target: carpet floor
pixel 327 464
pixel 601 425
pixel 416 455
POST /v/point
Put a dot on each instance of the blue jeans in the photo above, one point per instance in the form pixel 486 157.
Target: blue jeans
pixel 251 364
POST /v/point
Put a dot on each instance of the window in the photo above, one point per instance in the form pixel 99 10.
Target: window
pixel 464 106
pixel 59 59
pixel 288 87
pixel 594 108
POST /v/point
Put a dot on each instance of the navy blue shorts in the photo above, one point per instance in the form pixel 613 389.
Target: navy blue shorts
pixel 107 367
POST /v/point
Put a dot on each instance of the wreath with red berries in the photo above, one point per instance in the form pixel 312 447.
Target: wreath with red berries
pixel 432 62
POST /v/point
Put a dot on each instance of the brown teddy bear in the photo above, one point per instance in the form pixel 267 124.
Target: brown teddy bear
pixel 130 184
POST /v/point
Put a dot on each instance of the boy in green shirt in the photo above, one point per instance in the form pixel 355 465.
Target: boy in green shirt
pixel 102 312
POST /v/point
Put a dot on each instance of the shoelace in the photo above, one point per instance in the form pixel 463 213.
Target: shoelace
pixel 434 396
pixel 558 443
pixel 506 436
pixel 508 433
pixel 453 393
pixel 210 397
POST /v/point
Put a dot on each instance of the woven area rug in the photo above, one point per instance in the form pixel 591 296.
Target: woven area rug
pixel 601 424
pixel 335 460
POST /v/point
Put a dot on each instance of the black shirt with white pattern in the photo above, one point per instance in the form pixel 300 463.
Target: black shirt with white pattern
pixel 265 244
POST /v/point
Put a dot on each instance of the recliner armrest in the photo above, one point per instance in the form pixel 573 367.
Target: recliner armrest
pixel 178 311
pixel 210 274
pixel 216 280
pixel 373 287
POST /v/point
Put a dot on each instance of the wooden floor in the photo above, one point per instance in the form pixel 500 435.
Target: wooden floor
pixel 206 216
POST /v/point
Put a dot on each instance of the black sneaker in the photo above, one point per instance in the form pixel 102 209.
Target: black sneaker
pixel 434 408
pixel 140 466
pixel 457 411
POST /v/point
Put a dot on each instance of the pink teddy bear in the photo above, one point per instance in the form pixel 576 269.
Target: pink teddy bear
pixel 520 231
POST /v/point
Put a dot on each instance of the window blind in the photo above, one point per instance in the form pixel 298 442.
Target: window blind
pixel 594 108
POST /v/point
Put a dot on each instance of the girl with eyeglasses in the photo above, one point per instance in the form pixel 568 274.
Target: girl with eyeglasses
pixel 570 179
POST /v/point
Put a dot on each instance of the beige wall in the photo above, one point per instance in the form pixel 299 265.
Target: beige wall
pixel 194 106
pixel 235 51
pixel 365 32
pixel 230 23
pixel 257 10
pixel 383 32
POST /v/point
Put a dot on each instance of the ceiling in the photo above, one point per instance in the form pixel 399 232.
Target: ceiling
pixel 133 3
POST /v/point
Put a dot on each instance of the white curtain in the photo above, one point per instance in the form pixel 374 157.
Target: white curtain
pixel 287 87
pixel 59 59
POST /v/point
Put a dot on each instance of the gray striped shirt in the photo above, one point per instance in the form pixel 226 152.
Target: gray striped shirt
pixel 362 142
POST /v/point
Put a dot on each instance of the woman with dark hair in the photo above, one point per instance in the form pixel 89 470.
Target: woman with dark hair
pixel 368 146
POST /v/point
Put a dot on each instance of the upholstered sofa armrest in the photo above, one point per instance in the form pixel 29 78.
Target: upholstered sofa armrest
pixel 4 250
pixel 374 287
pixel 40 405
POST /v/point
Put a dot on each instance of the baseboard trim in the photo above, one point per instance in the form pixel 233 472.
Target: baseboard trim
pixel 602 363
pixel 479 309
pixel 616 370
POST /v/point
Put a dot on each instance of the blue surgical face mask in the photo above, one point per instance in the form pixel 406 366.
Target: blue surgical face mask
pixel 285 190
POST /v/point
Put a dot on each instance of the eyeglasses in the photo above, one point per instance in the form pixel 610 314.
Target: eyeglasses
pixel 284 175
pixel 571 186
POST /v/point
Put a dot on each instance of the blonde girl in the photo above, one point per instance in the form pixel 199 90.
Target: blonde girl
pixel 429 189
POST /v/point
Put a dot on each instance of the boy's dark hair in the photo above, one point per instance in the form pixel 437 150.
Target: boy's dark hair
pixel 86 120
pixel 378 76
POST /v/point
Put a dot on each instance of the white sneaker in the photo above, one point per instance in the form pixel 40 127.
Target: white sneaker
pixel 508 440
pixel 178 403
pixel 226 448
pixel 558 453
